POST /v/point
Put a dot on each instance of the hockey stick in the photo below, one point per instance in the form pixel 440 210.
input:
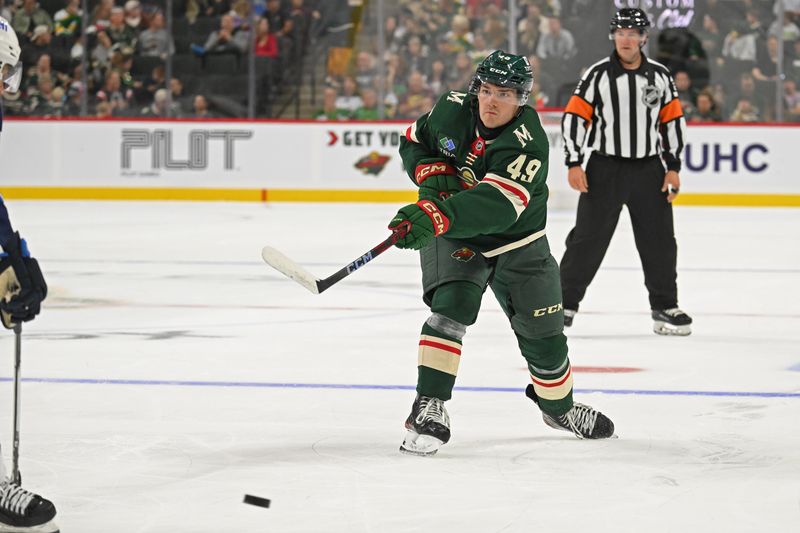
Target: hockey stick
pixel 16 477
pixel 289 268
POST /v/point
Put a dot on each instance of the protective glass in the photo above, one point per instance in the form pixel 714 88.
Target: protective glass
pixel 11 76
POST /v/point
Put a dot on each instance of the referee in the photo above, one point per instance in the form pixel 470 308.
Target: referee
pixel 626 110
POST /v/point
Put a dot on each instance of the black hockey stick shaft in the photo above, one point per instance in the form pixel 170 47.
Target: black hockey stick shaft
pixel 16 477
pixel 397 233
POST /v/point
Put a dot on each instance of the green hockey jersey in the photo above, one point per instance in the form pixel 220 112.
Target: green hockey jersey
pixel 505 206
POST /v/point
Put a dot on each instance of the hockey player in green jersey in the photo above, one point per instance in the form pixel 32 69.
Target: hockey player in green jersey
pixel 480 161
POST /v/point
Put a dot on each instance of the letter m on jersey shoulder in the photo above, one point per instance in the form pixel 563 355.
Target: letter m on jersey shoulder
pixel 523 135
pixel 456 97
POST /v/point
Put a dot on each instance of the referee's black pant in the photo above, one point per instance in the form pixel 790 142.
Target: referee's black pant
pixel 614 182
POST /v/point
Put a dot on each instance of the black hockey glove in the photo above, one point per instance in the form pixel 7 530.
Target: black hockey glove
pixel 23 287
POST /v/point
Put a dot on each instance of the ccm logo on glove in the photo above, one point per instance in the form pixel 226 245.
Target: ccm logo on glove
pixel 440 222
pixel 422 172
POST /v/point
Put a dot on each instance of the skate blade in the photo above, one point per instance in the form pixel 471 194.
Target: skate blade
pixel 49 527
pixel 420 445
pixel 663 328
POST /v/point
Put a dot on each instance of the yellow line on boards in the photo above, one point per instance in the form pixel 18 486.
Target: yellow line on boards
pixel 739 200
pixel 319 195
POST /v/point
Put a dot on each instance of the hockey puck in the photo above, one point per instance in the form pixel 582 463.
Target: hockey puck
pixel 255 500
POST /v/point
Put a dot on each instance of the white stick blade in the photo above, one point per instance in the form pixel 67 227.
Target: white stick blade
pixel 289 268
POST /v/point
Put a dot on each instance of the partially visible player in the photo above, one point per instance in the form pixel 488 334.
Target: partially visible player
pixel 22 289
pixel 480 161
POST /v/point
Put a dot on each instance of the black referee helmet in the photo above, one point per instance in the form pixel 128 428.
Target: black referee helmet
pixel 629 17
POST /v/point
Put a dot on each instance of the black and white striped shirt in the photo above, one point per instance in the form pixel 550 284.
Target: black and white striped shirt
pixel 625 113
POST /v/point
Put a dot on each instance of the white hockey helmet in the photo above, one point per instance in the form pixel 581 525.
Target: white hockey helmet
pixel 10 64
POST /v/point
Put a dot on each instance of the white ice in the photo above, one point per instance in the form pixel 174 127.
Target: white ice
pixel 171 372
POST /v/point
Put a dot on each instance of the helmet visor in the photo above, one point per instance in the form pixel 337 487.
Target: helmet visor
pixel 512 92
pixel 11 76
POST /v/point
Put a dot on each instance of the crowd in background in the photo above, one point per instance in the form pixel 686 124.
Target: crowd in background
pixel 724 64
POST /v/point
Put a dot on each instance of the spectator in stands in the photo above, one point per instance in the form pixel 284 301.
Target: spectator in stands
pixel 558 44
pixel 766 68
pixel 706 109
pixel 538 99
pixel 329 110
pixel 417 100
pixel 368 110
pixel 546 81
pixel 213 8
pixel 494 29
pixel 414 56
pixel 747 91
pixel 480 49
pixel 786 30
pixel 101 15
pixel 441 15
pixel 740 44
pixel 365 72
pixel 200 108
pixel 266 41
pixel 528 31
pixel 278 20
pixel 72 105
pixel 118 31
pixel 180 101
pixel 37 102
pixel 300 19
pixel 159 107
pixel 155 41
pixel 348 99
pixel 133 16
pixel 5 11
pixel 791 100
pixel 68 21
pixel 686 93
pixel 104 110
pixel 240 11
pixel 28 17
pixel 41 68
pixel 101 54
pixel 437 80
pixel 153 82
pixel 459 38
pixel 42 43
pixel 462 72
pixel 225 40
pixel 793 66
pixel 113 93
pixel 745 112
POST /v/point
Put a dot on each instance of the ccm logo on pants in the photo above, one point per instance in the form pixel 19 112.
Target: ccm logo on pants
pixel 548 310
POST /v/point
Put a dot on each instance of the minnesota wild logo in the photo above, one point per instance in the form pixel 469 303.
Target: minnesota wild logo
pixel 463 254
pixel 468 176
pixel 372 163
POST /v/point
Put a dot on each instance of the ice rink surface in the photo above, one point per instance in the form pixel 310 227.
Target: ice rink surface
pixel 171 372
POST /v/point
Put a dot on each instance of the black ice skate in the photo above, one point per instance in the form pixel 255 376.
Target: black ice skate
pixel 671 322
pixel 582 420
pixel 569 314
pixel 428 427
pixel 24 512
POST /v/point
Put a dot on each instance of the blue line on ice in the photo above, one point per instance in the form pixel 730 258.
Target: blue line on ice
pixel 366 386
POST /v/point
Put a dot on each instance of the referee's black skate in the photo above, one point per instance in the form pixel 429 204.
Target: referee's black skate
pixel 428 427
pixel 671 322
pixel 582 420
pixel 25 512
